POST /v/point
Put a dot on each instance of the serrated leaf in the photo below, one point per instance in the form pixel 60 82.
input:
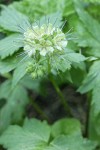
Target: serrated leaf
pixel 38 10
pixel 40 129
pixel 10 112
pixel 11 19
pixel 92 82
pixel 66 127
pixel 8 64
pixel 71 143
pixel 59 63
pixel 88 32
pixel 10 44
pixel 19 73
pixel 75 57
pixel 96 99
pixel 32 136
pixel 94 28
pixel 55 19
pixel 4 89
pixel 35 135
pixel 84 37
pixel 92 78
pixel 64 61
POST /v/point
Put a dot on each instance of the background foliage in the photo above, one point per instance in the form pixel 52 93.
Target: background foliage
pixel 18 90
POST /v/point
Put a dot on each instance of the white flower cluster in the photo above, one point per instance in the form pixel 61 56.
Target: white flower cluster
pixel 45 39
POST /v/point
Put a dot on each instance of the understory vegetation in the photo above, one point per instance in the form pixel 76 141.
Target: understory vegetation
pixel 50 75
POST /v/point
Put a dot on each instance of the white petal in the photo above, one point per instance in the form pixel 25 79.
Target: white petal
pixel 50 49
pixel 63 43
pixel 27 47
pixel 59 48
pixel 31 52
pixel 43 52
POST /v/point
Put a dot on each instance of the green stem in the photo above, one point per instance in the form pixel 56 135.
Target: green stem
pixel 88 116
pixel 39 110
pixel 62 99
pixel 49 67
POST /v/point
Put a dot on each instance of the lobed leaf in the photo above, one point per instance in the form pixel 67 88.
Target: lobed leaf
pixel 19 73
pixel 92 79
pixel 35 135
pixel 66 127
pixel 12 20
pixel 10 112
pixel 10 45
pixel 71 143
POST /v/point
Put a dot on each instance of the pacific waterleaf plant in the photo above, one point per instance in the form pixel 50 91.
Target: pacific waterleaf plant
pixel 45 44
pixel 40 49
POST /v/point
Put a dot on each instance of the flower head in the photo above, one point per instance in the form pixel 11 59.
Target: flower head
pixel 45 39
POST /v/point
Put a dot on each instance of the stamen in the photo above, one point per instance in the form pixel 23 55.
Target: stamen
pixel 21 28
pixel 70 30
pixel 37 23
pixel 24 58
pixel 34 31
pixel 55 21
pixel 63 24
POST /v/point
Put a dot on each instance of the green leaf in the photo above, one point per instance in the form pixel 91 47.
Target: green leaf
pixel 55 19
pixel 31 84
pixel 71 143
pixel 96 99
pixel 38 128
pixel 8 64
pixel 11 19
pixel 88 30
pixel 19 73
pixel 85 39
pixel 68 8
pixel 10 44
pixel 4 89
pixel 94 28
pixel 38 8
pixel 10 112
pixel 74 57
pixel 77 74
pixel 92 79
pixel 33 135
pixel 66 127
pixel 64 61
pixel 59 63
pixel 92 82
pixel 94 126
